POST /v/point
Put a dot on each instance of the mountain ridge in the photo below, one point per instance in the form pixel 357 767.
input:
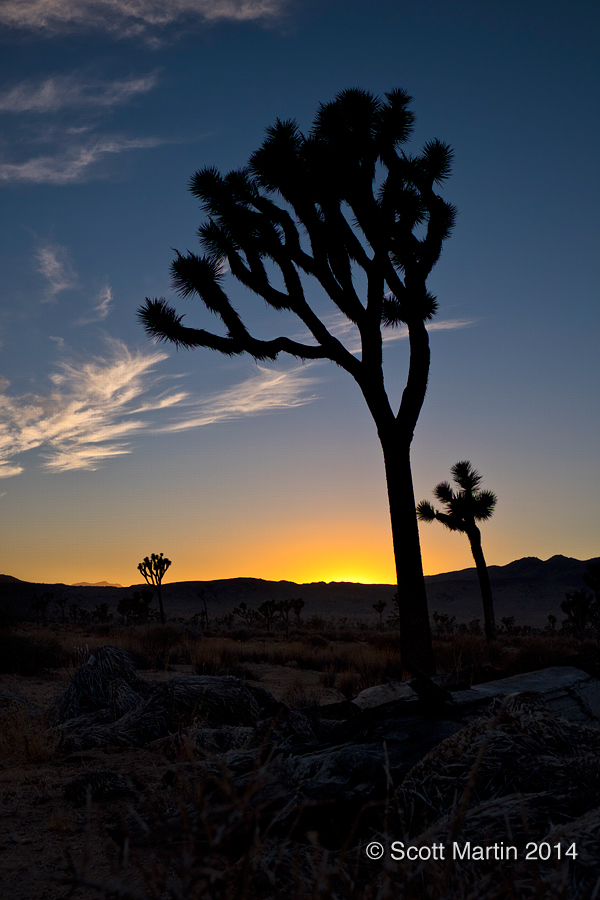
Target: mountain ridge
pixel 528 589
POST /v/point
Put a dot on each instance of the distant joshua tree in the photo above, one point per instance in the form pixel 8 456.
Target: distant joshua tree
pixel 40 604
pixel 101 612
pixel 379 607
pixel 582 610
pixel 285 608
pixel 463 509
pixel 591 579
pixel 61 604
pixel 204 613
pixel 153 569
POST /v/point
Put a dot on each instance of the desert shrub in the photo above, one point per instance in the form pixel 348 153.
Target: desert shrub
pixel 351 684
pixel 298 696
pixel 158 643
pixel 538 653
pixel 24 654
pixel 244 634
pixel 327 677
pixel 462 651
pixel 389 640
pixel 220 656
pixel 317 640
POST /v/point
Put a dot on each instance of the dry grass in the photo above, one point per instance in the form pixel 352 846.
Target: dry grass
pixel 370 657
pixel 27 650
pixel 25 734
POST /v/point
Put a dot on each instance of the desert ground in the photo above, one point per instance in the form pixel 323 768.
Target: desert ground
pixel 269 781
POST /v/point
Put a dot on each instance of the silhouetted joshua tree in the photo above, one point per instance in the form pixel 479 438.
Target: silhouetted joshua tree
pixel 379 607
pixel 153 570
pixel 464 509
pixel 581 609
pixel 591 579
pixel 352 203
pixel 61 604
pixel 40 604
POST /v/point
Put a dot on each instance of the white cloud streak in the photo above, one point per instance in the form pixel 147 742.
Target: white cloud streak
pixel 131 18
pixel 83 416
pixel 72 91
pixel 346 331
pixel 267 391
pixel 102 304
pixel 104 299
pixel 71 164
pixel 92 409
pixel 55 265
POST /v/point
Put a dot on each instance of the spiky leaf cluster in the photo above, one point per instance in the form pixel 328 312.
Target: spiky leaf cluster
pixel 463 507
pixel 153 568
pixel 343 196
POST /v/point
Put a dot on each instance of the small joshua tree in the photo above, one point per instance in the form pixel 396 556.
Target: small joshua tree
pixel 268 612
pixel 204 613
pixel 153 569
pixel 61 604
pixel 101 613
pixel 379 607
pixel 40 604
pixel 285 608
pixel 245 613
pixel 463 509
pixel 591 579
pixel 581 609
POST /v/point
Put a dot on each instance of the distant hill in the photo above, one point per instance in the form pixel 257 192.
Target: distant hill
pixel 95 584
pixel 528 589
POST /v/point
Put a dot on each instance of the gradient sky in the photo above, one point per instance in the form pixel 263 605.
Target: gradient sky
pixel 113 447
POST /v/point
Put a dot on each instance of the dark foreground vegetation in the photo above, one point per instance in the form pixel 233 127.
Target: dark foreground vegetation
pixel 156 762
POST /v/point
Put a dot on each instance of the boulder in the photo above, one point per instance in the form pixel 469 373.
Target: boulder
pixel 567 690
pixel 382 693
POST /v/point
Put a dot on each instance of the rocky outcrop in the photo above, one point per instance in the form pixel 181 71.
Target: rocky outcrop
pixel 513 760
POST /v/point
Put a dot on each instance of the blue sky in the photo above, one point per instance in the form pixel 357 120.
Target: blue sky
pixel 113 447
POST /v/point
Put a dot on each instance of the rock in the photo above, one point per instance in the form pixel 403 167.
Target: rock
pixel 567 690
pixel 520 746
pixel 175 704
pixel 382 693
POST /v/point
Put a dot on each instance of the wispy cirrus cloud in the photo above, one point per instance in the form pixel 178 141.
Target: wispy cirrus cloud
pixel 346 331
pixel 93 409
pixel 72 163
pixel 102 303
pixel 84 417
pixel 72 91
pixel 54 263
pixel 131 18
pixel 267 391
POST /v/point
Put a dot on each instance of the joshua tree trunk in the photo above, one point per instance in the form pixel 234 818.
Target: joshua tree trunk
pixel 485 587
pixel 415 630
pixel 160 604
pixel 396 434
